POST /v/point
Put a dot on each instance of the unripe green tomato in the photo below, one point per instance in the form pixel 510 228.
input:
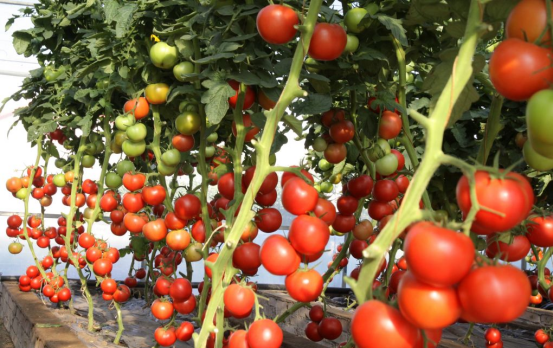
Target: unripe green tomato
pixel 441 215
pixel 387 165
pixel 319 144
pixel 188 123
pixel 353 18
pixel 187 105
pixel 90 149
pixel 122 122
pixel 194 252
pixel 535 160
pixel 60 163
pixel 124 167
pixel 88 213
pixel 136 132
pixel 102 84
pixel 310 65
pixel 182 69
pixel 88 161
pixel 212 137
pixel 352 44
pixel 119 137
pixel 133 149
pixel 379 149
pixel 480 244
pixel 171 157
pixel 99 147
pixel 59 180
pixel 94 137
pixel 209 151
pixel 324 165
pixel 165 170
pixel 409 78
pixel 317 187
pixel 67 145
pixel 113 180
pixel 187 169
pixel 326 187
pixel 163 55
pixel 21 193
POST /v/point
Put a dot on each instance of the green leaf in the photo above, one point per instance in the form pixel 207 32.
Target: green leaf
pixel 10 22
pixel 213 58
pixel 245 77
pixel 456 29
pixel 86 125
pixel 280 139
pixel 93 67
pixel 437 12
pixel 294 124
pixel 499 10
pixel 124 19
pixel 367 53
pixel 111 7
pixel 181 90
pixel 460 134
pixel 216 100
pixel 228 47
pixel 21 41
pixel 394 25
pixel 418 104
pixel 312 104
pixel 259 119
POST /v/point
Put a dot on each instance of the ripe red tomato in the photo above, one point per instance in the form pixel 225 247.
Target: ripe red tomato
pixel 102 267
pixel 109 201
pixel 287 176
pixel 155 230
pixel 278 256
pixel 402 182
pixel 266 200
pixel 361 186
pixel 246 256
pixel 249 98
pixel 436 255
pixel 506 196
pixel 335 153
pixel 238 339
pixel 184 331
pixel 325 211
pixel 187 306
pixel 328 41
pixel 518 69
pixel 342 132
pixel 356 248
pixel 527 21
pixel 344 223
pixel 132 202
pixel 134 182
pixel 541 336
pixel 264 333
pixel 162 310
pixel 316 313
pixel 375 322
pixel 139 107
pixel 540 231
pixel 269 183
pixel 268 219
pixel 178 240
pixel 330 328
pixel 239 300
pixel 165 337
pixel 312 332
pixel 390 125
pixel 433 338
pixel 484 285
pixel 188 207
pixel 378 210
pixel 385 190
pixel 515 251
pixel 308 234
pixel 304 286
pixel 182 142
pixel 275 24
pixel 427 306
pixel 225 185
pixel 347 205
pixel 153 195
pixel 298 197
pixel 86 240
pixel 492 335
pixel 173 222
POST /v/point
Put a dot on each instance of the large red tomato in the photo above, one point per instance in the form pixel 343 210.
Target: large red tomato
pixel 375 322
pixel 427 306
pixel 250 128
pixel 517 250
pixel 506 196
pixel 249 97
pixel 298 197
pixel 361 186
pixel 487 285
pixel 153 195
pixel 246 256
pixel 518 69
pixel 239 300
pixel 275 24
pixel 342 132
pixel 540 231
pixel 328 41
pixel 268 219
pixel 264 333
pixel 162 310
pixel 188 207
pixel 437 255
pixel 278 256
pixel 304 286
pixel 527 21
pixel 308 234
pixel 155 230
pixel 390 125
pixel 325 211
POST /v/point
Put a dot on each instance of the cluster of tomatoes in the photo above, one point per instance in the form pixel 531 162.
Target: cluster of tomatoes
pixel 520 69
pixel 322 327
pixel 52 286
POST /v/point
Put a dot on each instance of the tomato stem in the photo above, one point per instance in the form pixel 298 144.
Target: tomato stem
pixel 493 127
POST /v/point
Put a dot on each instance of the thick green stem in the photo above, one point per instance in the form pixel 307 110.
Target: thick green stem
pixel 120 326
pixel 157 153
pixel 493 127
pixel 409 212
pixel 291 91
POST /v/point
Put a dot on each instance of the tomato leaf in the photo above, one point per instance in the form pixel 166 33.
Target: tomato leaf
pixel 280 139
pixel 85 123
pixel 313 104
pixel 216 100
pixel 21 42
pixel 394 25
pixel 295 124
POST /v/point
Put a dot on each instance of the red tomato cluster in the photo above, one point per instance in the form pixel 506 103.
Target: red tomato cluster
pixel 53 286
pixel 322 327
